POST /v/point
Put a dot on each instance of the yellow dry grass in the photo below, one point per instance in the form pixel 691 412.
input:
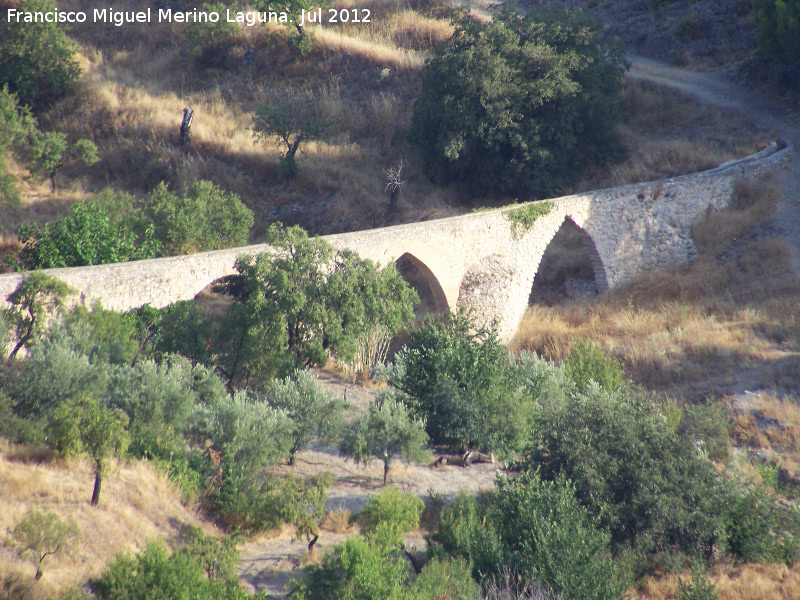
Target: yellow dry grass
pixel 731 314
pixel 732 582
pixel 136 504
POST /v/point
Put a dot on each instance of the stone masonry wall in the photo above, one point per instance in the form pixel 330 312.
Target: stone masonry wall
pixel 473 259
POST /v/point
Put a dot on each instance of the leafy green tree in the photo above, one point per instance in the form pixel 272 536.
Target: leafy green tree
pixel 652 491
pixel 362 321
pixel 90 235
pixel 16 125
pixel 85 426
pixel 252 344
pixel 36 297
pixel 50 151
pixel 519 105
pixel 778 24
pixel 37 60
pixel 203 218
pixel 292 282
pixel 586 362
pixel 290 120
pixel 185 330
pixel 312 411
pixel 39 534
pixel 458 376
pixel 155 573
pixel 208 41
pixel 386 429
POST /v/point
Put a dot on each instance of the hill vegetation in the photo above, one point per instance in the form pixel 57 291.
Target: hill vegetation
pixel 140 449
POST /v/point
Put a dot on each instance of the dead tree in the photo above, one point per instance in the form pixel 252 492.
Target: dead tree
pixel 394 176
pixel 186 126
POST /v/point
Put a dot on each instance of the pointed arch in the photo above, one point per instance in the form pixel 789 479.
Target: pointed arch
pixel 570 261
pixel 412 269
pixel 600 278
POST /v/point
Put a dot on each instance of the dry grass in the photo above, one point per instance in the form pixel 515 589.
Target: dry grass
pixel 338 521
pixel 136 504
pixel 732 582
pixel 726 321
pixel 138 79
pixel 668 133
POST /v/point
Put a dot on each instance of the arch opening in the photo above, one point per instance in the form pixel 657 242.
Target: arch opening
pixel 421 278
pixel 570 268
pixel 215 298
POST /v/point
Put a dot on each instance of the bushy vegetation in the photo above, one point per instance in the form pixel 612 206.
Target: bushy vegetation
pixel 44 152
pixel 115 228
pixel 779 29
pixel 204 569
pixel 37 60
pixel 519 105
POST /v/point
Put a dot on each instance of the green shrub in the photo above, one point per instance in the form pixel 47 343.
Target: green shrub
pixel 357 569
pixel 759 528
pixel 444 579
pixel 397 512
pixel 155 573
pixel 521 104
pixel 536 530
pixel 778 24
pixel 709 425
pixel 586 362
pixel 203 218
pixel 652 491
pixel 37 60
pixel 699 588
pixel 561 547
pixel 523 218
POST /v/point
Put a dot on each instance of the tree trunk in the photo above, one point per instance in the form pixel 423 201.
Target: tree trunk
pixel 53 181
pixel 312 542
pixel 300 29
pixel 98 482
pixel 385 472
pixel 394 196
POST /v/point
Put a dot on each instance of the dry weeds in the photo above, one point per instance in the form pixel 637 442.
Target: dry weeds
pixel 728 320
pixel 137 504
pixel 732 582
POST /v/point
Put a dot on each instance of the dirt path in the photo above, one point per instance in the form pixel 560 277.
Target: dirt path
pixel 270 562
pixel 764 111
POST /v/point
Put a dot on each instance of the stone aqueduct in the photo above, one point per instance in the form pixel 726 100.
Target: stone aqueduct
pixel 473 260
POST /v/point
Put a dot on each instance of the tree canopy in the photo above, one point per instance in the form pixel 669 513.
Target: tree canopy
pixel 37 59
pixel 519 105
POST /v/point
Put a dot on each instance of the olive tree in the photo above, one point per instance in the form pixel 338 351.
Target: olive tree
pixel 84 426
pixel 40 534
pixel 290 120
pixel 385 430
pixel 36 296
